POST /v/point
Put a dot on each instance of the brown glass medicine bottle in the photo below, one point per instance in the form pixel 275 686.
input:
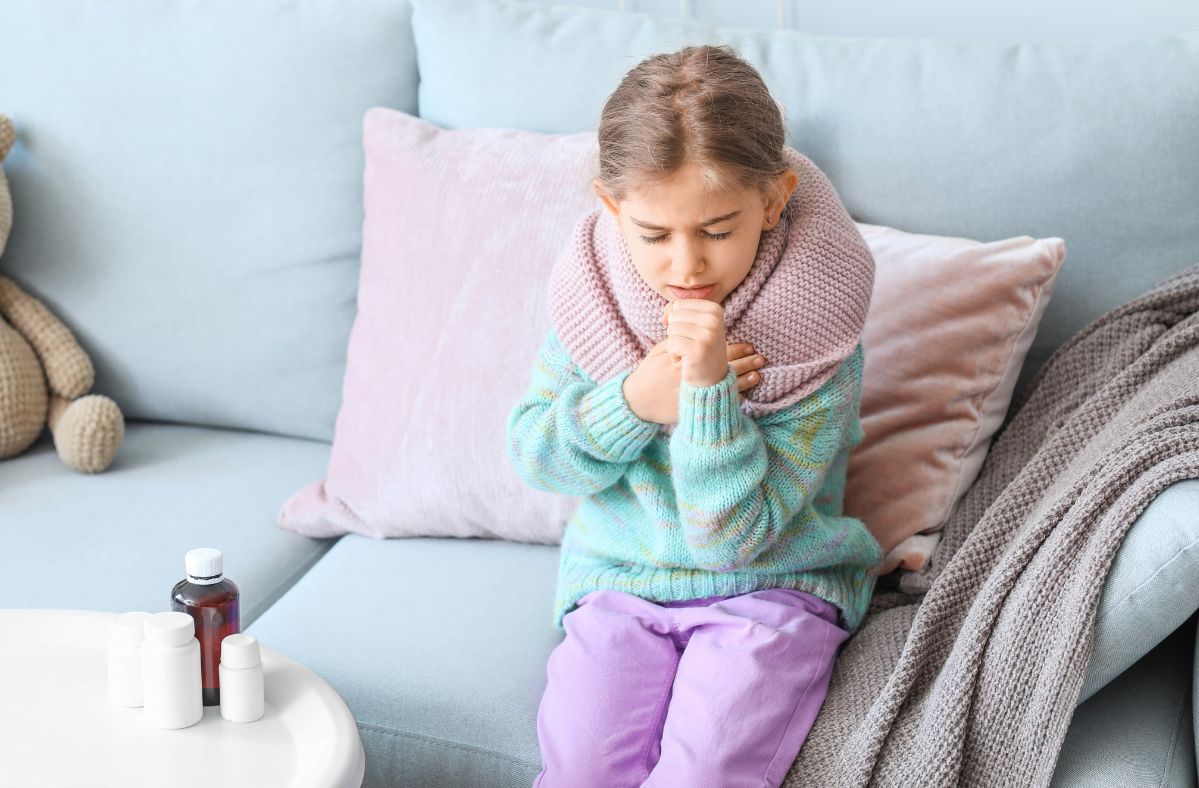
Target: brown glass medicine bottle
pixel 211 599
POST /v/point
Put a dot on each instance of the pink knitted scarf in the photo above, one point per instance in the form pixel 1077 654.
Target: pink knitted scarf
pixel 802 304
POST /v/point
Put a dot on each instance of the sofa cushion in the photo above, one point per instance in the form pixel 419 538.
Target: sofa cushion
pixel 950 323
pixel 187 193
pixel 439 647
pixel 461 229
pixel 115 541
pixel 984 140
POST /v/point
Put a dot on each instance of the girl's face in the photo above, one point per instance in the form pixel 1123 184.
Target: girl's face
pixel 681 236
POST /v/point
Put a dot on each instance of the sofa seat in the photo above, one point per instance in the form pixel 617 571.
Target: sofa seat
pixel 439 647
pixel 116 540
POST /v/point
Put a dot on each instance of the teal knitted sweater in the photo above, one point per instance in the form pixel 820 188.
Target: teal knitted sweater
pixel 724 505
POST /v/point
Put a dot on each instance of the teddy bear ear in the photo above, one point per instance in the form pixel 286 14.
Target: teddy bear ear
pixel 8 136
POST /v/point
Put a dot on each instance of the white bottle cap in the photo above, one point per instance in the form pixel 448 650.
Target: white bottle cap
pixel 240 651
pixel 127 629
pixel 172 628
pixel 204 565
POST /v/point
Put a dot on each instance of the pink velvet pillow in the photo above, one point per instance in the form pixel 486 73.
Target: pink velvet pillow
pixel 949 325
pixel 461 230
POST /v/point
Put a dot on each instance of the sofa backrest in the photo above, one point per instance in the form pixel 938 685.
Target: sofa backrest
pixel 187 179
pixel 982 20
pixel 187 192
pixel 1091 141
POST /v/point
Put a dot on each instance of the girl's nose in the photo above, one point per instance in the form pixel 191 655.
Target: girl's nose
pixel 688 261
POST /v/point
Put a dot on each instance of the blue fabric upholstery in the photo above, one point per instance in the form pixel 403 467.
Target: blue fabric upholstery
pixel 439 648
pixel 1153 585
pixel 187 191
pixel 115 541
pixel 1138 730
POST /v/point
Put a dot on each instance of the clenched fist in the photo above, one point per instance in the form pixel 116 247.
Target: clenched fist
pixel 652 390
pixel 695 334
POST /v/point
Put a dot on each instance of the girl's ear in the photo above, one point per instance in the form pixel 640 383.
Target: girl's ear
pixel 611 205
pixel 779 196
pixel 788 181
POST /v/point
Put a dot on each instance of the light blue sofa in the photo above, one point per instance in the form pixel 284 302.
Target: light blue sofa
pixel 187 191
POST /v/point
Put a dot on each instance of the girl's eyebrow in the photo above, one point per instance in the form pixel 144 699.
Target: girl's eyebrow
pixel 649 226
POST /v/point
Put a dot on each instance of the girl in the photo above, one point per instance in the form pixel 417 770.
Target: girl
pixel 699 386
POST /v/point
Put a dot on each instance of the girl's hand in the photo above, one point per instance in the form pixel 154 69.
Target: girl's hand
pixel 695 334
pixel 652 390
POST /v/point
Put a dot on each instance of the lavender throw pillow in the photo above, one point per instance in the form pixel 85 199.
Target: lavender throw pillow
pixel 460 233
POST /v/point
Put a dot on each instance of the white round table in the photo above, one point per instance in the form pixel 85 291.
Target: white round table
pixel 59 728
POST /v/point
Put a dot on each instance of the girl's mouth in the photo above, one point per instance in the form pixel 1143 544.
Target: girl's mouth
pixel 699 292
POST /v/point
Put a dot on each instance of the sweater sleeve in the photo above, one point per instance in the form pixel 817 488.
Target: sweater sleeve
pixel 568 434
pixel 739 483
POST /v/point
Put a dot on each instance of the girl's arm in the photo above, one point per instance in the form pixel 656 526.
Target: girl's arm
pixel 739 483
pixel 569 435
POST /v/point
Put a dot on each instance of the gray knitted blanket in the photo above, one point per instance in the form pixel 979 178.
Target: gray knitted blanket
pixel 968 672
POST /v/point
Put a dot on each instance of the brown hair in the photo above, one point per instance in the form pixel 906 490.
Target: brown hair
pixel 701 103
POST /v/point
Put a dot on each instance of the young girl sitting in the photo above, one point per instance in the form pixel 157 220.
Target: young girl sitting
pixel 700 388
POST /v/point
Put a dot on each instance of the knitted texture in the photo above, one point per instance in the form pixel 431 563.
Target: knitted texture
pixel 36 350
pixel 8 138
pixel 22 388
pixel 802 304
pixel 87 431
pixel 724 505
pixel 43 374
pixel 968 672
pixel 23 395
pixel 69 370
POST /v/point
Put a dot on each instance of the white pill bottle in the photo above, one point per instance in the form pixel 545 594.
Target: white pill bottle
pixel 243 696
pixel 171 671
pixel 125 635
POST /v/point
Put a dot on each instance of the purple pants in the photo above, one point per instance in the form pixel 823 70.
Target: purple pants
pixel 718 692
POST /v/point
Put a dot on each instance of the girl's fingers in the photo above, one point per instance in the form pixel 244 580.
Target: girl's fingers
pixel 748 380
pixel 739 349
pixel 747 372
pixel 747 364
pixel 693 318
pixel 689 331
pixel 679 345
pixel 695 306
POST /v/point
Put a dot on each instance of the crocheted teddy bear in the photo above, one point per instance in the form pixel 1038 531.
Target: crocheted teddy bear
pixel 44 373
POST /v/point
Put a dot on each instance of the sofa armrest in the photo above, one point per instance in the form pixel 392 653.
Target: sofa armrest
pixel 1137 730
pixel 1153 585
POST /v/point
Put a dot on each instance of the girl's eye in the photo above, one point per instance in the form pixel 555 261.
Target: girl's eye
pixel 714 236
